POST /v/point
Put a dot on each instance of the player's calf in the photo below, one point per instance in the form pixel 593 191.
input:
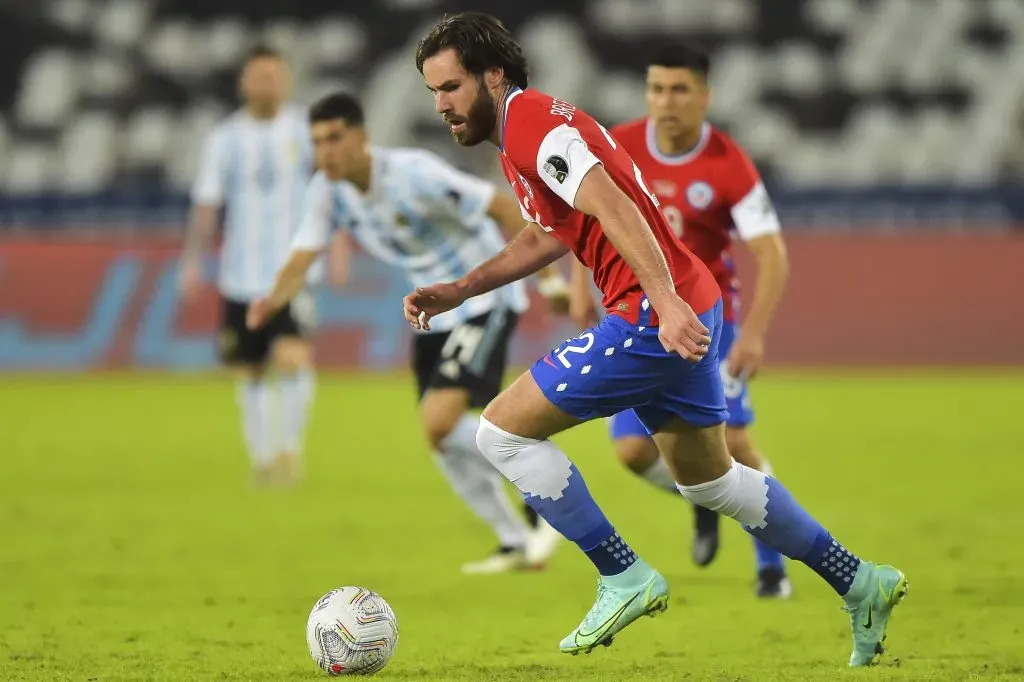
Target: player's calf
pixel 553 486
pixel 638 452
pixel 768 512
pixel 772 582
pixel 451 431
pixel 256 402
pixel 292 362
pixel 628 587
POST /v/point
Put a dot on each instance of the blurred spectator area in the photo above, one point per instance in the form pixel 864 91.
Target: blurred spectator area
pixel 901 108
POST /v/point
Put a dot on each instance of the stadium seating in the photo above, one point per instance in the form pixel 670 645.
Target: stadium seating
pixel 102 95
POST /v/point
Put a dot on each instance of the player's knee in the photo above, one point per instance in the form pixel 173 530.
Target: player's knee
pixel 739 493
pixel 696 454
pixel 249 372
pixel 291 355
pixel 636 453
pixel 439 414
pixel 438 420
pixel 495 444
pixel 437 432
pixel 535 467
pixel 437 425
pixel 741 447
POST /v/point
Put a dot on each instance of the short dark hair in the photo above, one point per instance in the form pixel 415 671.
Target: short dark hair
pixel 337 105
pixel 682 56
pixel 261 51
pixel 481 41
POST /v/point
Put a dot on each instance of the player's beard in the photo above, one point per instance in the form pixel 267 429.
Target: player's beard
pixel 480 121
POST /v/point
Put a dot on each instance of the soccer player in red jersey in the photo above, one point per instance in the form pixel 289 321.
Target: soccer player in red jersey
pixel 708 189
pixel 656 351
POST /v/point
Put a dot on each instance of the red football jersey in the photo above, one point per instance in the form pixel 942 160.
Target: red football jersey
pixel 705 194
pixel 548 146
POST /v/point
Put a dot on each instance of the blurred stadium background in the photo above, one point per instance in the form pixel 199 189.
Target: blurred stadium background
pixel 890 132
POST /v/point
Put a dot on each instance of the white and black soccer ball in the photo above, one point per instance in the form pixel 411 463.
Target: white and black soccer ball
pixel 352 631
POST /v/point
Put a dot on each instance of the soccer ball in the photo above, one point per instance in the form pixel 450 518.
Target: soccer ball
pixel 351 631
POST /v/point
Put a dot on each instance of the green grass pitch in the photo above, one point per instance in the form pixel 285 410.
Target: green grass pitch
pixel 132 546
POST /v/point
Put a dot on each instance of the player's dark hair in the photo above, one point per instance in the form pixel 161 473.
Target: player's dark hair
pixel 682 56
pixel 337 105
pixel 261 51
pixel 481 41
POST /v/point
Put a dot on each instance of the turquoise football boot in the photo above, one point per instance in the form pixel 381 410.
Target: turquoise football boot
pixel 875 592
pixel 621 599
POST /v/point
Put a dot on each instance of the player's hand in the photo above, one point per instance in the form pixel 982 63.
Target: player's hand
pixel 555 291
pixel 558 304
pixel 259 313
pixel 583 310
pixel 746 356
pixel 427 302
pixel 681 331
pixel 190 280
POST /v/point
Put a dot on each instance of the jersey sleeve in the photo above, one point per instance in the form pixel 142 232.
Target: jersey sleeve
pixel 314 231
pixel 563 160
pixel 751 208
pixel 526 216
pixel 447 188
pixel 210 183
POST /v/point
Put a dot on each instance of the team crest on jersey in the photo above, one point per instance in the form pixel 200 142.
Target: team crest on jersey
pixel 557 167
pixel 700 195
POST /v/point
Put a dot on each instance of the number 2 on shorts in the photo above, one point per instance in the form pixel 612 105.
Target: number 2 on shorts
pixel 587 336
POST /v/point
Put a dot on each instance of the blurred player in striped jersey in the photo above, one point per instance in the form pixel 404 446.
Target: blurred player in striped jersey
pixel 708 188
pixel 411 209
pixel 255 165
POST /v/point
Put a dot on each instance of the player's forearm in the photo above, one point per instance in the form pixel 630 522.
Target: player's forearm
pixel 291 279
pixel 340 247
pixel 527 253
pixel 772 276
pixel 200 232
pixel 340 257
pixel 629 233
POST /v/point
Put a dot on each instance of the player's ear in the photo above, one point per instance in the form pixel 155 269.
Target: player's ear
pixel 493 77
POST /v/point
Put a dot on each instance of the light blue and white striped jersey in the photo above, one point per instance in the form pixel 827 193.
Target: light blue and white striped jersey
pixel 258 171
pixel 421 215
